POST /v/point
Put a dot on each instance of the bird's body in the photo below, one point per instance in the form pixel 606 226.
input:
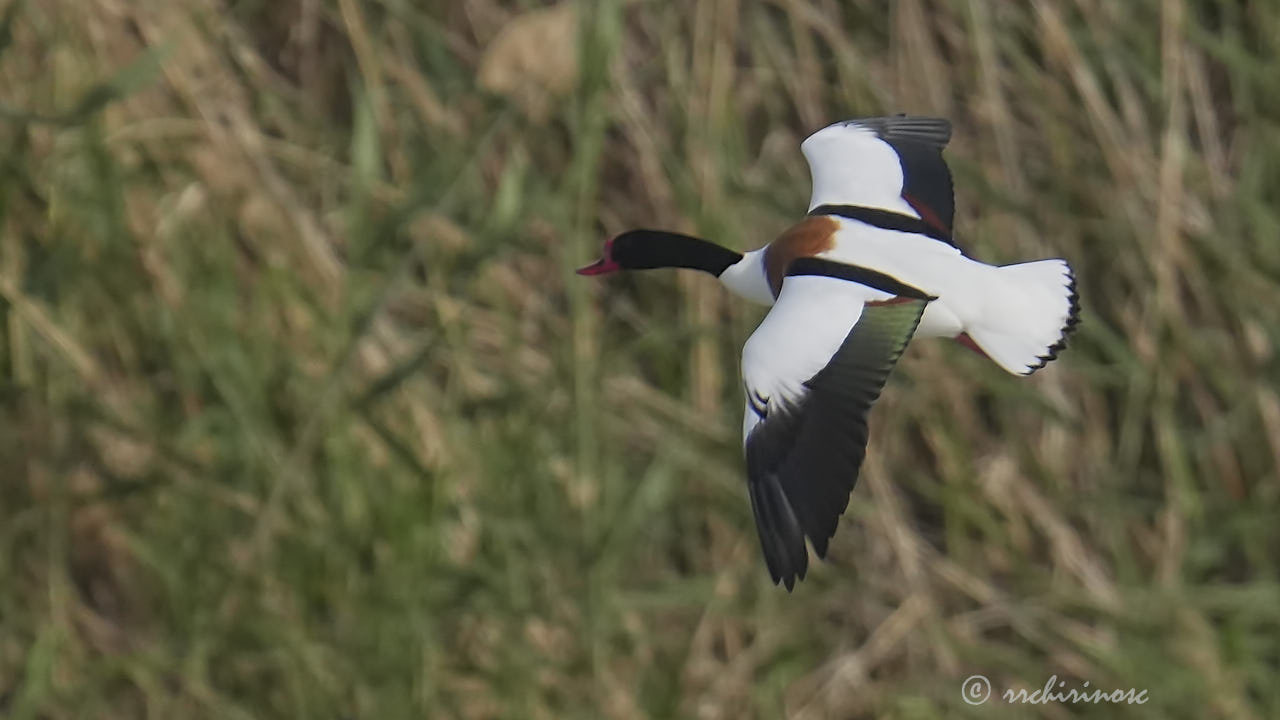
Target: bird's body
pixel 919 261
pixel 872 265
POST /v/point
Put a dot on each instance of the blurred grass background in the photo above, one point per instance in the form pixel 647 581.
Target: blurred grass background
pixel 303 413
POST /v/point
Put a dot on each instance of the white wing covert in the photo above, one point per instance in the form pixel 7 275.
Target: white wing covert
pixel 893 164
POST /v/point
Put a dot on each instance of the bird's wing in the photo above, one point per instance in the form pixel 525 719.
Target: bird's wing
pixel 886 163
pixel 812 371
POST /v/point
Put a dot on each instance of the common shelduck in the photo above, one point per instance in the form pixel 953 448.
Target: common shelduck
pixel 872 264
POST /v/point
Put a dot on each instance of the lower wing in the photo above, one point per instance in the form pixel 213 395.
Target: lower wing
pixel 813 370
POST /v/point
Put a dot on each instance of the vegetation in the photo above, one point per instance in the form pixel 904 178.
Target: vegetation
pixel 304 414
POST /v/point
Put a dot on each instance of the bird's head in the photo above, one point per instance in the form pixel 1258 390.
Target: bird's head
pixel 650 249
pixel 640 250
pixel 606 264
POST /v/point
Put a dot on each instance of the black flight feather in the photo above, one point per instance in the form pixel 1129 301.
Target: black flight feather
pixel 926 179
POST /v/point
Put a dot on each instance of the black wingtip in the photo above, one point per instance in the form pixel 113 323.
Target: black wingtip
pixel 790 578
pixel 934 131
pixel 820 545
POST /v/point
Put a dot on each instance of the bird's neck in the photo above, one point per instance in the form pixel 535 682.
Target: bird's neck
pixel 743 275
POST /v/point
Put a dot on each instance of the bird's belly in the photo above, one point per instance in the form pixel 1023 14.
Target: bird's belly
pixel 939 321
pixel 955 280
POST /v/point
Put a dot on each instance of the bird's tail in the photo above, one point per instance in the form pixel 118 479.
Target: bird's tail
pixel 1032 310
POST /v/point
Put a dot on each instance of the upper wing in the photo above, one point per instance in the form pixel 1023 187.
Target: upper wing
pixel 887 163
pixel 813 369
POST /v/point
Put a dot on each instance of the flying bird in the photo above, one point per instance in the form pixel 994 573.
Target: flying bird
pixel 871 265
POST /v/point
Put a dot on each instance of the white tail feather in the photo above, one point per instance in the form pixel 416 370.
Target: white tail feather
pixel 1028 316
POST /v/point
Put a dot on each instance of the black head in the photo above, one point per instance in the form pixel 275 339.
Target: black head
pixel 650 249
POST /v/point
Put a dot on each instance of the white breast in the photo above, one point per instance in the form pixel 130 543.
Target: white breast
pixel 747 279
